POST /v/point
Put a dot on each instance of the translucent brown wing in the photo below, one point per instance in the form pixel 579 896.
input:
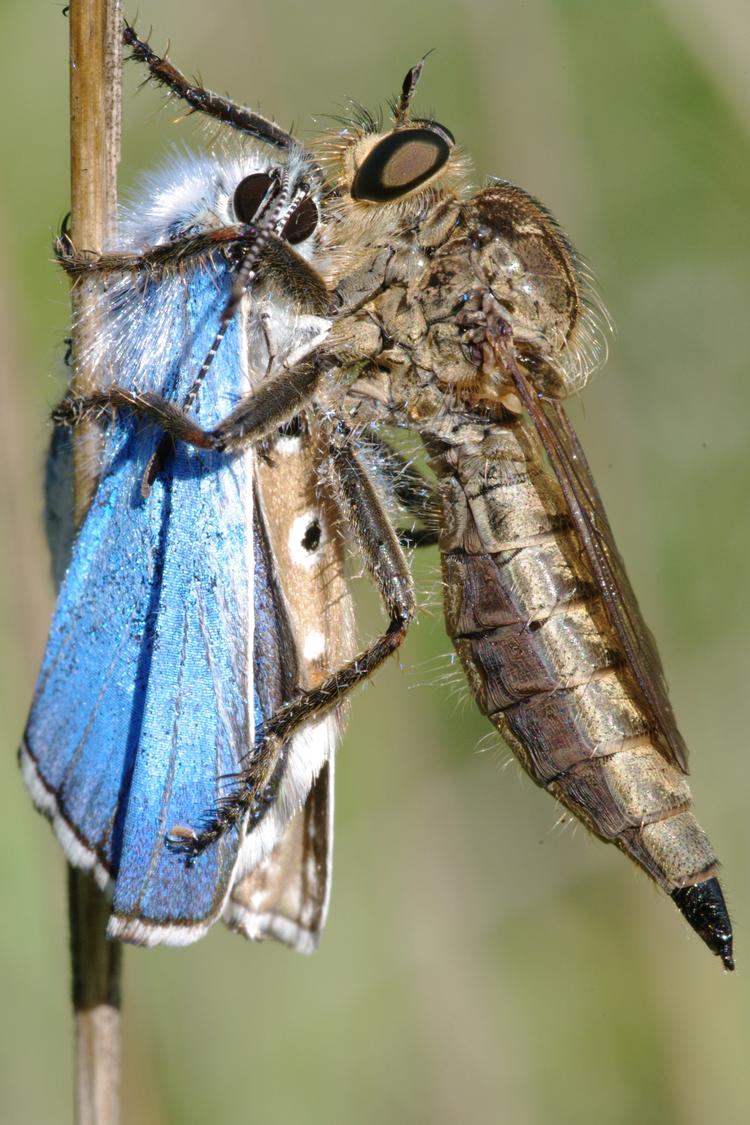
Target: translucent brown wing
pixel 569 464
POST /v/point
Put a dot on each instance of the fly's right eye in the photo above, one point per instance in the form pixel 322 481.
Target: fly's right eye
pixel 250 194
pixel 401 162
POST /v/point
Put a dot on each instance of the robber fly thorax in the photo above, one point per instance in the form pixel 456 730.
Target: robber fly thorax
pixel 480 321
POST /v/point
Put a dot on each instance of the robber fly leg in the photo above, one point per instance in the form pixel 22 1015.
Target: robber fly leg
pixel 155 262
pixel 275 402
pixel 258 787
pixel 257 415
pixel 147 405
pixel 412 489
pixel 202 100
pixel 411 538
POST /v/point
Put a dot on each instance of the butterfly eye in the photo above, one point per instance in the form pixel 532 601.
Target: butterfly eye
pixel 302 222
pixel 401 162
pixel 249 195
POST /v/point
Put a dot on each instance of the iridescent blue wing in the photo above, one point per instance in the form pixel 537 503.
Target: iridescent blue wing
pixel 142 703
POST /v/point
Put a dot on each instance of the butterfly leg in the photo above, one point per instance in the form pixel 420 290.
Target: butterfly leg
pixel 202 100
pixel 258 787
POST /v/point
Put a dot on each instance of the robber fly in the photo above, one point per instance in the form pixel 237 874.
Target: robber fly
pixel 467 319
pixel 483 324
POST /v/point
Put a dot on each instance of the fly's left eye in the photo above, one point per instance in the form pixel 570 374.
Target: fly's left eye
pixel 301 223
pixel 401 162
pixel 249 194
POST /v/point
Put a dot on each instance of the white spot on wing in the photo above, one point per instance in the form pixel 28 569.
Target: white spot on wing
pixel 314 645
pixel 258 927
pixel 288 445
pixel 310 747
pixel 299 535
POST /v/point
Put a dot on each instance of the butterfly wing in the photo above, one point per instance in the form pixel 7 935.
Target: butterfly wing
pixel 285 895
pixel 302 597
pixel 142 701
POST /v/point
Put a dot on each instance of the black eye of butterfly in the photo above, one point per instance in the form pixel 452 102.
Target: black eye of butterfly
pixel 401 162
pixel 249 194
pixel 301 223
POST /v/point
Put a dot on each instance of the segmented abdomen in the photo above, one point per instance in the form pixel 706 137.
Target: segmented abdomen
pixel 544 662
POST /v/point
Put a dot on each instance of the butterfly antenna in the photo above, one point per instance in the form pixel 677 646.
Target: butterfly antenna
pixel 273 223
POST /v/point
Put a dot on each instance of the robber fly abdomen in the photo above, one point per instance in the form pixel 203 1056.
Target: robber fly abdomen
pixel 545 664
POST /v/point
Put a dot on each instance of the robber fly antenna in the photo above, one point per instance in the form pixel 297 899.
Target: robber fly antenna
pixel 402 106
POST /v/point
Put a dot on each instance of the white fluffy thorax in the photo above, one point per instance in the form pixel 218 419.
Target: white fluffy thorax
pixel 192 193
pixel 188 196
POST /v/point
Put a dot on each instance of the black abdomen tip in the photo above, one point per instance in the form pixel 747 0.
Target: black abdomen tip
pixel 704 907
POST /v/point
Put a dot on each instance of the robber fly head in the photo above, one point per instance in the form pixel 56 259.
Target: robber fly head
pixel 386 179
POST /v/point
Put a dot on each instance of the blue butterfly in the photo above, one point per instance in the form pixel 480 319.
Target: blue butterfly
pixel 171 643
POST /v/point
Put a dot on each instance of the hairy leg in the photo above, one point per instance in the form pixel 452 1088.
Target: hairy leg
pixel 204 101
pixel 258 786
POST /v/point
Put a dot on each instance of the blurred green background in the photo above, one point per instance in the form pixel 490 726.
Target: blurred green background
pixel 481 963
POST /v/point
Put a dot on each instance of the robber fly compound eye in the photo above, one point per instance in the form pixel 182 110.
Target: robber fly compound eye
pixel 400 162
